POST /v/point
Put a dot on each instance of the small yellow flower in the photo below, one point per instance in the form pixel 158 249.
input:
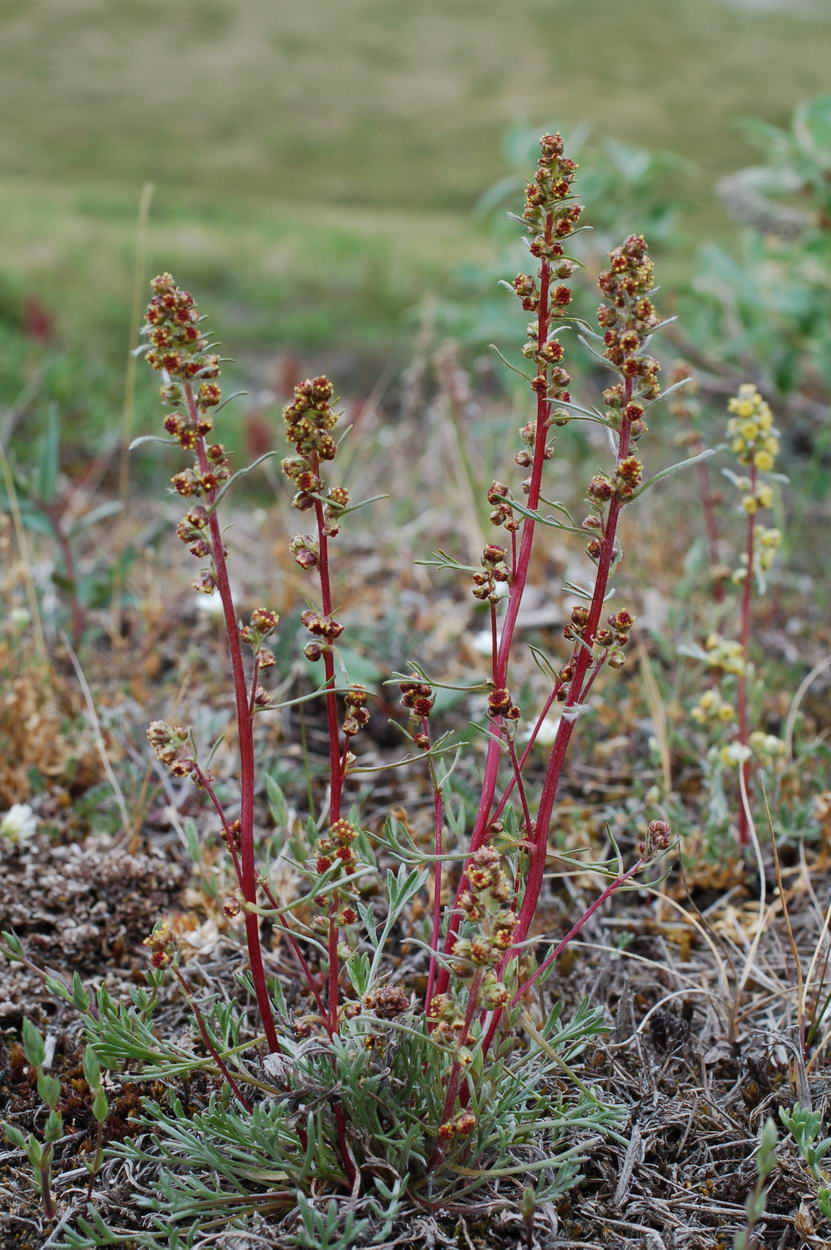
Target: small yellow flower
pixel 749 431
pixel 750 504
pixel 764 494
pixel 763 461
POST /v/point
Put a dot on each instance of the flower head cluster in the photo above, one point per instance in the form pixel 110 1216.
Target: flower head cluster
pixel 178 348
pixel 724 654
pixel 610 639
pixel 161 943
pixel 755 442
pixel 172 323
pixel 357 713
pixel 752 434
pixel 336 850
pixel 485 904
pixel 550 215
pixel 684 403
pixel 309 420
pixel 489 581
pixel 767 748
pixel 713 708
pixel 502 513
pixel 627 319
pixel 656 839
pixel 461 1126
pixel 324 631
pixel 173 747
pixel 262 623
pixel 387 1002
pixel 500 703
pixel 418 698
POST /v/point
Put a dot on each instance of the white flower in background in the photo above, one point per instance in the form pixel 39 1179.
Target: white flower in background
pixel 210 604
pixel 734 753
pixel 483 642
pixel 547 731
pixel 19 618
pixel 19 823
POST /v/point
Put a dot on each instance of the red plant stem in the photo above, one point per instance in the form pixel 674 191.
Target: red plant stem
pixel 49 1208
pixel 526 817
pixel 297 952
pixel 343 1145
pixel 506 794
pixel 229 837
pixel 438 844
pixel 523 798
pixel 206 1039
pixel 76 611
pixel 494 643
pixel 560 947
pixel 245 734
pixel 744 638
pixel 336 772
pixel 336 778
pixel 255 673
pixel 517 589
pixel 576 694
pixel 708 504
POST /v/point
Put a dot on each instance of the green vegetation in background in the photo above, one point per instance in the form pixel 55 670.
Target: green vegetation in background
pixel 316 165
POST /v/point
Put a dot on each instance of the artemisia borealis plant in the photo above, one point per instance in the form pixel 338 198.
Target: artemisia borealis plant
pixel 371 1075
pixel 597 637
pixel 496 899
pixel 179 350
pixel 309 420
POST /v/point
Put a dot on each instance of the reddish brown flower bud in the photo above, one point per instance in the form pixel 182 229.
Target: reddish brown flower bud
pixel 600 487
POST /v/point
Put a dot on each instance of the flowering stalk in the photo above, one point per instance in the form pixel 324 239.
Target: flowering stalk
pixel 627 319
pixel 179 350
pixel 756 444
pixel 550 216
pixel 309 420
pixel 418 698
pixel 744 639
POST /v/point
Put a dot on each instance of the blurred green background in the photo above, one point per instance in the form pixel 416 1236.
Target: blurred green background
pixel 316 164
